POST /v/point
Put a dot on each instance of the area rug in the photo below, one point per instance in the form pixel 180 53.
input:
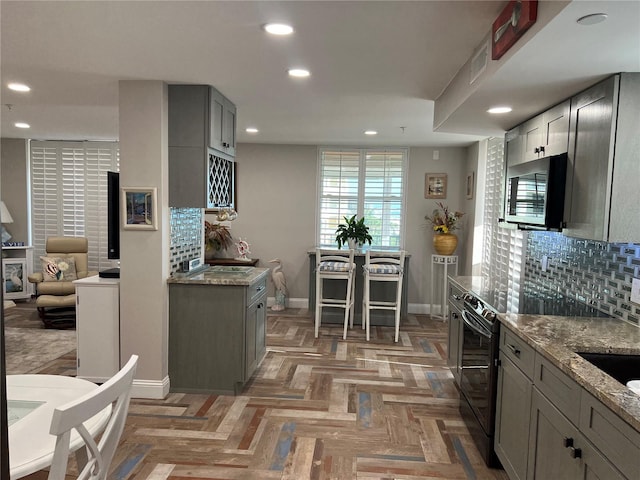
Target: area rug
pixel 28 345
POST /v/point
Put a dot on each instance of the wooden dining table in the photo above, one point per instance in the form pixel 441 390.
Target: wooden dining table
pixel 31 401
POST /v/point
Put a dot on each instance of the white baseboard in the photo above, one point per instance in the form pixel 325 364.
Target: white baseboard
pixel 291 302
pixel 424 309
pixel 155 389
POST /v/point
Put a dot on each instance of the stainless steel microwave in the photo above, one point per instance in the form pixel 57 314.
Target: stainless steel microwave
pixel 535 193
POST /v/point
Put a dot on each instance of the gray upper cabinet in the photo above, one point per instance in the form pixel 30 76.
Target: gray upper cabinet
pixel 223 124
pixel 199 176
pixel 547 134
pixel 604 161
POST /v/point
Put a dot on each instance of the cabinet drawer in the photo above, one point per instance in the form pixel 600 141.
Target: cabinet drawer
pixel 558 387
pixel 517 350
pixel 255 290
pixel 616 439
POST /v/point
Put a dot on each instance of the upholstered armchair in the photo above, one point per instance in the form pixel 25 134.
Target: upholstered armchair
pixel 66 260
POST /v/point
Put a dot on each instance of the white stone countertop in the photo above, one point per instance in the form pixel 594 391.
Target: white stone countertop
pixel 558 338
pixel 227 275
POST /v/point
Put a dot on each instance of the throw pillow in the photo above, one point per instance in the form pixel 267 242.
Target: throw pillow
pixel 58 269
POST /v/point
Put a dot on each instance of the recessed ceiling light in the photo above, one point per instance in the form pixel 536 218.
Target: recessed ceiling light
pixel 278 29
pixel 251 130
pixel 19 87
pixel 299 72
pixel 592 19
pixel 370 132
pixel 22 125
pixel 499 110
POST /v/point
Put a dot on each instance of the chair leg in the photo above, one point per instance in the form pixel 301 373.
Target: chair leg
pixel 347 308
pixel 366 311
pixel 353 298
pixel 398 303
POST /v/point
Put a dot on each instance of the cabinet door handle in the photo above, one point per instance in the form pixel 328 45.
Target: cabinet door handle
pixel 514 350
pixel 457 297
pixel 542 150
pixel 536 150
pixel 260 305
pixel 260 288
pixel 454 314
pixel 567 442
pixel 575 452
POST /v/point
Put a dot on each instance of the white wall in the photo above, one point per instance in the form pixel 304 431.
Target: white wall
pixel 144 254
pixel 15 193
pixel 277 209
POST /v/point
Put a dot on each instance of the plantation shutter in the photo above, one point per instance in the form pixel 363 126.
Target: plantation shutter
pixel 362 182
pixel 339 174
pixel 384 178
pixel 69 194
pixel 503 247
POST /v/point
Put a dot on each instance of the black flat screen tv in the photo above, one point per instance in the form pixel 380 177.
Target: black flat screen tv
pixel 113 215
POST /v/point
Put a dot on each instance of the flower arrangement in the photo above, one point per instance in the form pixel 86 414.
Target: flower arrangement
pixel 217 237
pixel 443 220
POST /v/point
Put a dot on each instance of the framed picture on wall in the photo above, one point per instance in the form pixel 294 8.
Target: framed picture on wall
pixel 14 277
pixel 139 208
pixel 435 185
pixel 470 179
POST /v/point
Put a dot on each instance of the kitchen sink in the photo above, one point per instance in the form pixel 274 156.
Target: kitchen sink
pixel 619 366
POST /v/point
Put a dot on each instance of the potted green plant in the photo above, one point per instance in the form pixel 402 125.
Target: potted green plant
pixel 353 233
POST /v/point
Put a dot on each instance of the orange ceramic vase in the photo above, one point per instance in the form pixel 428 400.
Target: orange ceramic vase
pixel 445 243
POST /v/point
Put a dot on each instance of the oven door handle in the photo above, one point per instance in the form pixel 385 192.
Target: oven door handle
pixel 474 326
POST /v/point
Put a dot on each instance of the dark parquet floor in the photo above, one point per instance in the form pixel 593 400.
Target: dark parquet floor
pixel 317 409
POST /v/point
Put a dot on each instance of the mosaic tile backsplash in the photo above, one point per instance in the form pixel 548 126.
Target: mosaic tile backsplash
pixel 597 273
pixel 186 236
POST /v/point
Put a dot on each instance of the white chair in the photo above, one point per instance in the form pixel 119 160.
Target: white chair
pixel 382 267
pixel 93 460
pixel 335 265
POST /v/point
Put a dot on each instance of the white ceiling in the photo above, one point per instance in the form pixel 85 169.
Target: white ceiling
pixel 375 65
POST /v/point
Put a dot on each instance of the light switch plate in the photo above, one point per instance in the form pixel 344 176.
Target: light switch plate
pixel 635 290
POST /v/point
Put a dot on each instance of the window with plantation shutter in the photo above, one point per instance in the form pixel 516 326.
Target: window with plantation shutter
pixel 69 194
pixel 362 182
pixel 503 247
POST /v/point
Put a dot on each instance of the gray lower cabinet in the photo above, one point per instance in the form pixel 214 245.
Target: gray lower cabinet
pixel 549 427
pixel 217 336
pixel 513 405
pixel 557 449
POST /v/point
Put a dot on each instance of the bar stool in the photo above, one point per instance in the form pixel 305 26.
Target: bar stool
pixel 382 267
pixel 335 265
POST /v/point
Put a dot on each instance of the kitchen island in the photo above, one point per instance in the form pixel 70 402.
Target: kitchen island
pixel 217 328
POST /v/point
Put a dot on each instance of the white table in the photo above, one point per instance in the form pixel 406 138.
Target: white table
pixel 445 261
pixel 31 402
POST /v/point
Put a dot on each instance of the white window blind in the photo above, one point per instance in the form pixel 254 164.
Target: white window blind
pixel 503 247
pixel 362 182
pixel 69 194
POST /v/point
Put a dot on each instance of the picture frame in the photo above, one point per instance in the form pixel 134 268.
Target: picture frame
pixel 14 275
pixel 435 185
pixel 139 208
pixel 470 185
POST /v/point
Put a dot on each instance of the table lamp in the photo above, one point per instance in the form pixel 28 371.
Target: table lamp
pixel 5 217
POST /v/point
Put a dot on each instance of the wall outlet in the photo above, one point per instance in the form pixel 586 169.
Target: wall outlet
pixel 544 263
pixel 635 290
